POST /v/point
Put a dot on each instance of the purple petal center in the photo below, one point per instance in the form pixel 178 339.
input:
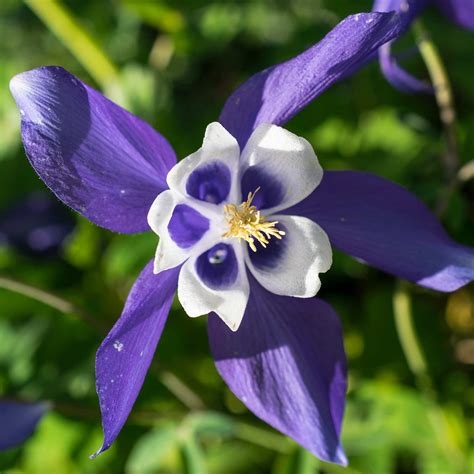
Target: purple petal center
pixel 187 226
pixel 218 267
pixel 270 191
pixel 267 258
pixel 210 182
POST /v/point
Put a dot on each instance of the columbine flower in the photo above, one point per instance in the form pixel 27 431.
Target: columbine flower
pixel 285 360
pixel 223 213
pixel 18 421
pixel 459 11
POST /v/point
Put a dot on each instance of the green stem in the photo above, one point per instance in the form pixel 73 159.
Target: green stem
pixel 443 94
pixel 262 437
pixel 172 382
pixel 48 299
pixel 417 363
pixel 69 31
pixel 180 390
pixel 406 332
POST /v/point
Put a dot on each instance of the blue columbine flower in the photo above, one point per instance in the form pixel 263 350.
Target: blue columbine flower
pixel 245 226
pixel 459 11
pixel 18 421
pixel 224 214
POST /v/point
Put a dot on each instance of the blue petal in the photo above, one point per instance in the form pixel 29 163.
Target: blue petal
pixel 279 92
pixel 388 227
pixel 99 159
pixel 398 77
pixel 286 362
pixel 459 11
pixel 125 354
pixel 18 421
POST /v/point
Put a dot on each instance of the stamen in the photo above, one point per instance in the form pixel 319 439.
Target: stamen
pixel 246 223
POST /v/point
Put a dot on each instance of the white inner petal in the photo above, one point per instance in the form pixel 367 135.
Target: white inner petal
pixel 307 252
pixel 198 299
pixel 287 158
pixel 218 145
pixel 168 253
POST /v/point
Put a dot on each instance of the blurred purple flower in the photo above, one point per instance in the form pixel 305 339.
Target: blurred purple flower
pixel 36 225
pixel 459 11
pixel 286 360
pixel 18 421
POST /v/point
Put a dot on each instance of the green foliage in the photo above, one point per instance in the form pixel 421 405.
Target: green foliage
pixel 153 450
pixel 174 64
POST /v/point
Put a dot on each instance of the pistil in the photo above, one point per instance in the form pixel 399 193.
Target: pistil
pixel 247 223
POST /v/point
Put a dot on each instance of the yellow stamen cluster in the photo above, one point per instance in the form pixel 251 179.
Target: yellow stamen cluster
pixel 246 223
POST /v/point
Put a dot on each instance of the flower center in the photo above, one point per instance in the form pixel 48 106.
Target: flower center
pixel 246 223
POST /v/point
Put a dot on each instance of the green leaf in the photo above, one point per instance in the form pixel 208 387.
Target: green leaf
pixel 150 451
pixel 82 248
pixel 211 423
pixel 388 422
pixel 127 255
pixel 299 461
pixel 53 446
pixel 193 456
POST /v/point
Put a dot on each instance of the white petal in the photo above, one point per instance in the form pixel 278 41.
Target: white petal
pixel 218 145
pixel 288 159
pixel 307 252
pixel 168 253
pixel 198 299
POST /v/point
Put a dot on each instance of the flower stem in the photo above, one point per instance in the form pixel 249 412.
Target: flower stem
pixel 180 390
pixel 48 299
pixel 171 381
pixel 262 437
pixel 417 363
pixel 443 95
pixel 407 336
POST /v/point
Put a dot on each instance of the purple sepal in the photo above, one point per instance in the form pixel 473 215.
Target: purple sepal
pixel 459 11
pixel 411 7
pixel 18 421
pixel 397 76
pixel 286 363
pixel 388 227
pixel 101 160
pixel 124 356
pixel 278 93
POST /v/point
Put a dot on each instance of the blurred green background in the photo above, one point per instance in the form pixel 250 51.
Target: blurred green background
pixel 410 350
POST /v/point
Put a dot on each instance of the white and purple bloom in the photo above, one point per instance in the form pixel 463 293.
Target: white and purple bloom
pixel 223 214
pixel 18 421
pixel 460 12
pixel 246 224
